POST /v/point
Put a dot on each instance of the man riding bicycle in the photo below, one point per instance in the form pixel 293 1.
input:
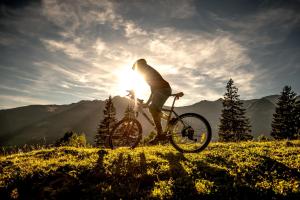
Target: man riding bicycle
pixel 160 92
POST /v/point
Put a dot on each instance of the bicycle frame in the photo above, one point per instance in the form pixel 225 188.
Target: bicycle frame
pixel 169 111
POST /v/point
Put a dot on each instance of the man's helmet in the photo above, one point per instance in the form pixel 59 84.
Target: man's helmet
pixel 138 63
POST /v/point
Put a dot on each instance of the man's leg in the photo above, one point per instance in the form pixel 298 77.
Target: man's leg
pixel 158 100
pixel 156 115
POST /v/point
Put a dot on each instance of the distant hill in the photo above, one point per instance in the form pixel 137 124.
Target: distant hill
pixel 46 123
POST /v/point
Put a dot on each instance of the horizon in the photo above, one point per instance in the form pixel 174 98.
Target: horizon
pixel 168 103
pixel 56 53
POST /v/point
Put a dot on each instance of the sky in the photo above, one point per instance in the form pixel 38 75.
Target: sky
pixel 64 51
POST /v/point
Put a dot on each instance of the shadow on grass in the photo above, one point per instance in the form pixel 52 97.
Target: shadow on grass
pixel 272 171
pixel 183 184
pixel 127 178
pixel 227 185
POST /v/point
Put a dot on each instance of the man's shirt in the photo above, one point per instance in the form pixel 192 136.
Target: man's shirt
pixel 153 78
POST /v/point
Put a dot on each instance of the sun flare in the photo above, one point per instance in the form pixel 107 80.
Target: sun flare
pixel 131 80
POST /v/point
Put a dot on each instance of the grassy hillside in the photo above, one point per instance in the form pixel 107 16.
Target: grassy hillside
pixel 233 170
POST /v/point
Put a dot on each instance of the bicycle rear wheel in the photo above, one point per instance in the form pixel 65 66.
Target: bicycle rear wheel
pixel 126 133
pixel 190 133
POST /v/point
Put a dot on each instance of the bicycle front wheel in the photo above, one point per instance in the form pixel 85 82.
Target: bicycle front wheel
pixel 190 133
pixel 126 133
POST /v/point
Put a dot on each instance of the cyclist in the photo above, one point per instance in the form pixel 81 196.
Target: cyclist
pixel 160 92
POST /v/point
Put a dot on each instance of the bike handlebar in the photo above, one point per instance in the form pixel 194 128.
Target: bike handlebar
pixel 131 95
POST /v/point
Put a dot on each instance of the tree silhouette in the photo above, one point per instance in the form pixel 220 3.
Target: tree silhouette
pixel 234 125
pixel 298 118
pixel 129 112
pixel 106 124
pixel 285 119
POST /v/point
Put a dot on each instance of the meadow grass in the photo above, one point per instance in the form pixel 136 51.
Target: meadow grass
pixel 245 170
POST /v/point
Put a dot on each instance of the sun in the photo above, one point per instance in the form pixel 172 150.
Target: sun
pixel 131 80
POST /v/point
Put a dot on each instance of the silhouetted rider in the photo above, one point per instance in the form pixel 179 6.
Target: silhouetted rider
pixel 160 92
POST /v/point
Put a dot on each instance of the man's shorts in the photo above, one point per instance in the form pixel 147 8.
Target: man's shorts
pixel 159 98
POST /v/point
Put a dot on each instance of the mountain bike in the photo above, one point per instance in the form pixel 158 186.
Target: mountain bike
pixel 188 132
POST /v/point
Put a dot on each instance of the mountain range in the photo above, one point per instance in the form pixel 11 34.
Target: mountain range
pixel 46 123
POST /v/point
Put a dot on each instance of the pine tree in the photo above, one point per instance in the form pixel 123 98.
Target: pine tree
pixel 129 112
pixel 284 124
pixel 298 119
pixel 234 125
pixel 107 124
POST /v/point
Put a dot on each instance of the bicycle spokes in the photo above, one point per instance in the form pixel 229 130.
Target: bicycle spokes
pixel 190 133
pixel 126 133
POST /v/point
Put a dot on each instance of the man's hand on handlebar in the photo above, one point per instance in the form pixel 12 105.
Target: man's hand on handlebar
pixel 131 93
pixel 144 105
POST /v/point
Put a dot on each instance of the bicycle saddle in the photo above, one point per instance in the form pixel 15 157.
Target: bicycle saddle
pixel 177 95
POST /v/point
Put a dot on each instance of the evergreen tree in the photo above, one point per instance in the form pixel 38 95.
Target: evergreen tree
pixel 129 112
pixel 234 125
pixel 298 119
pixel 107 124
pixel 285 119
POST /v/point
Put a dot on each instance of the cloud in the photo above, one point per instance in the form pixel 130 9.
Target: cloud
pixel 199 59
pixel 187 60
pixel 79 49
pixel 100 46
pixel 262 28
pixel 69 49
pixel 10 101
pixel 14 89
pixel 182 9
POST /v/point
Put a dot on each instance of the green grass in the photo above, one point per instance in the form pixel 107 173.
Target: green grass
pixel 247 170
